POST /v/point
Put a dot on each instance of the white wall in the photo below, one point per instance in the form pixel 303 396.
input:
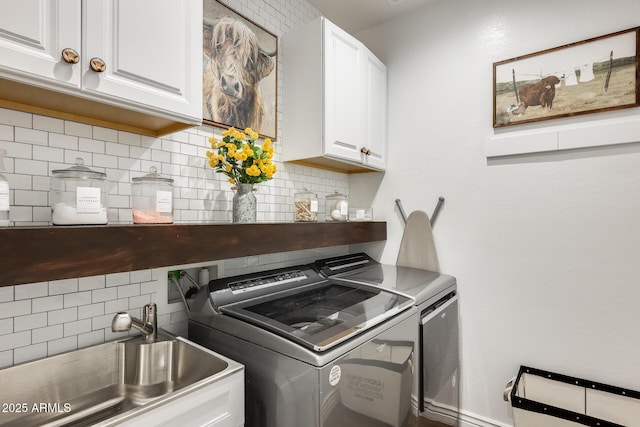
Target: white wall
pixel 545 247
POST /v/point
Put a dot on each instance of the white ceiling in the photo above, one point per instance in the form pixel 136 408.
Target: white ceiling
pixel 356 15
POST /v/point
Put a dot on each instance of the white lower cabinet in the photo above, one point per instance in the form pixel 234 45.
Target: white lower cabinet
pixel 134 63
pixel 334 98
pixel 220 404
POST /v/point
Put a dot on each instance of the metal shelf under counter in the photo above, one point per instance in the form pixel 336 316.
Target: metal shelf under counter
pixel 37 254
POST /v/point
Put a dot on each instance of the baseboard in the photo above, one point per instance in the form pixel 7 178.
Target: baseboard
pixel 448 415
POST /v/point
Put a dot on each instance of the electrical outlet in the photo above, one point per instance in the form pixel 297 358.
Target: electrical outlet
pixel 186 277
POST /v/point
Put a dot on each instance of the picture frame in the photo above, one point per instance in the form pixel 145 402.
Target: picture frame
pixel 240 68
pixel 590 76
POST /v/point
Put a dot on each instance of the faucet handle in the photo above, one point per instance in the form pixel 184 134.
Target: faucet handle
pixel 149 317
pixel 149 311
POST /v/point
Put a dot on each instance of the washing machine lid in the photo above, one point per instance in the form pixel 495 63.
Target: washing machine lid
pixel 422 285
pixel 321 315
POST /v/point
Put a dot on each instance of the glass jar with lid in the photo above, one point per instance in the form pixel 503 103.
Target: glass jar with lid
pixel 152 198
pixel 78 196
pixel 337 207
pixel 306 206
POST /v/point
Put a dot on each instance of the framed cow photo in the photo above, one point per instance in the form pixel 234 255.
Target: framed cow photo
pixel 239 72
pixel 589 76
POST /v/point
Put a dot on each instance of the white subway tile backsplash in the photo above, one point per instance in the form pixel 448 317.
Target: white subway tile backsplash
pixel 78 129
pixel 16 118
pixel 31 136
pixel 6 133
pixel 30 352
pixel 117 279
pixel 91 338
pixel 62 345
pixel 20 182
pixel 71 313
pixel 77 298
pixel 92 145
pixel 55 302
pixel 101 295
pixel 102 322
pixel 14 308
pixel 91 310
pixel 117 149
pixel 64 286
pixel 62 316
pixel 6 326
pixel 116 306
pixel 140 276
pixel 31 167
pixel 41 214
pixel 139 301
pixel 19 151
pixel 30 198
pixel 18 339
pixel 21 214
pixel 91 282
pixel 6 358
pixel 129 138
pixel 30 321
pixel 77 327
pixel 50 154
pixel 48 124
pixel 105 134
pixel 6 293
pixel 67 142
pixel 32 290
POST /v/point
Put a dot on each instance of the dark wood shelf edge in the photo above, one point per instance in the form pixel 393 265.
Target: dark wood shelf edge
pixel 38 254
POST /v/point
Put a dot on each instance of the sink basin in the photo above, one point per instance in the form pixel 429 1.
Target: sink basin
pixel 112 381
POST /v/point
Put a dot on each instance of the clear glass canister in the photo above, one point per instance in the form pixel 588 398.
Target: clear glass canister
pixel 337 207
pixel 306 206
pixel 152 198
pixel 78 196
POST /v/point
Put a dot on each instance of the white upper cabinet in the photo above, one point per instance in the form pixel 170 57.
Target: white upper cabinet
pixel 334 99
pixel 33 35
pixel 148 52
pixel 375 114
pixel 135 65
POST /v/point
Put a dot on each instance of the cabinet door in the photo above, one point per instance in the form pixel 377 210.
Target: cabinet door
pixel 343 98
pixel 152 51
pixel 375 106
pixel 33 34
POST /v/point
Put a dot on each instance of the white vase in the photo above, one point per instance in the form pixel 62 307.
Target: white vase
pixel 244 204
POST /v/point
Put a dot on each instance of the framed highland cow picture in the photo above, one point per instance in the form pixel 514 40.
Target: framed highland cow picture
pixel 239 72
pixel 589 76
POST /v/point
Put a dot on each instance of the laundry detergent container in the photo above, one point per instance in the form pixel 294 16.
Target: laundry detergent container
pixel 78 196
pixel 152 198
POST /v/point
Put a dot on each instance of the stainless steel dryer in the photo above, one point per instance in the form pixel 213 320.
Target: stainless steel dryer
pixel 317 351
pixel 435 294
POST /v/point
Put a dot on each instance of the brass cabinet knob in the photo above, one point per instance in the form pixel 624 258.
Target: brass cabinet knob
pixel 97 65
pixel 365 150
pixel 70 56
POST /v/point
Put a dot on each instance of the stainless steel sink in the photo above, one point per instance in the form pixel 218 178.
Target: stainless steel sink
pixel 91 385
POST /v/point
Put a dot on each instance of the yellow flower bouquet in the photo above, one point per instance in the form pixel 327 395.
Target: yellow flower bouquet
pixel 240 158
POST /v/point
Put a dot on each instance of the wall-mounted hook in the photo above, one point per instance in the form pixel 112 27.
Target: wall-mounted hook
pixel 435 214
pixel 436 211
pixel 402 214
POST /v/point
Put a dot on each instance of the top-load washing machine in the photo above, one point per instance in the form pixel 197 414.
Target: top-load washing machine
pixel 437 377
pixel 317 351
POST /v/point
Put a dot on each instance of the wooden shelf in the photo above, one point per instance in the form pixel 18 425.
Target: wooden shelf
pixel 37 254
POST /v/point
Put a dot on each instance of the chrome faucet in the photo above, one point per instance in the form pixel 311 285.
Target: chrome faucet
pixel 148 326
